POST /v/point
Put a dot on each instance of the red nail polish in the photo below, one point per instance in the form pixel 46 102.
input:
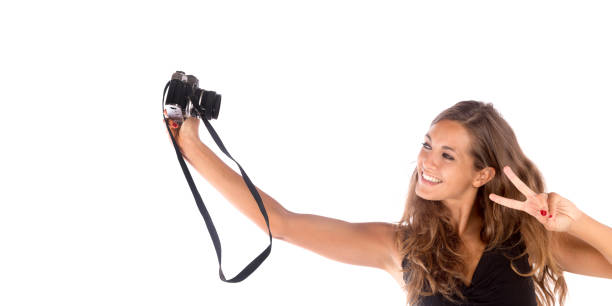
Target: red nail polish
pixel 550 216
pixel 543 212
pixel 174 125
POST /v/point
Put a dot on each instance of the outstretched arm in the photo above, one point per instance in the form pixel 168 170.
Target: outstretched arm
pixel 366 244
pixel 231 185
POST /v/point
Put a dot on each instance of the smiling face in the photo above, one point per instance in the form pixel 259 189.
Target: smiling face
pixel 445 156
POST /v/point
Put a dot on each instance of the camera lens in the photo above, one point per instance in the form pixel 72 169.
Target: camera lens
pixel 211 103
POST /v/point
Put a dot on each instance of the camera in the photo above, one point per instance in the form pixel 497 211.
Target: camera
pixel 185 99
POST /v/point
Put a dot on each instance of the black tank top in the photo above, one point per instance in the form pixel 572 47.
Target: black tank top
pixel 494 282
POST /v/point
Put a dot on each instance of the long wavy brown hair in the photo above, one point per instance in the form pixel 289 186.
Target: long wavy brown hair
pixel 430 245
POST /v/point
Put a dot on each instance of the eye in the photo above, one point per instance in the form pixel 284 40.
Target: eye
pixel 444 154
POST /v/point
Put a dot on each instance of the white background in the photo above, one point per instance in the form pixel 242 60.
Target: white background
pixel 324 105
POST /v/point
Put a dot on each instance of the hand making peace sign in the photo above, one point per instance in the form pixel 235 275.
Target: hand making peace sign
pixel 555 212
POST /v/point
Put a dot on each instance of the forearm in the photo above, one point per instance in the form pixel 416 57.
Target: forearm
pixel 232 186
pixel 594 233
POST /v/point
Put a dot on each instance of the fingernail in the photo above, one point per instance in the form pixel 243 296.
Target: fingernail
pixel 174 124
pixel 550 216
pixel 543 212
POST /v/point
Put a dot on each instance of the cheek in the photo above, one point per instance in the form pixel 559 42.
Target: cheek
pixel 455 178
pixel 460 180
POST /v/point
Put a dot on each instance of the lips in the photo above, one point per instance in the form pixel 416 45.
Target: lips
pixel 422 172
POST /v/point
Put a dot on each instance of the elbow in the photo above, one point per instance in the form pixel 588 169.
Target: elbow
pixel 280 226
pixel 278 220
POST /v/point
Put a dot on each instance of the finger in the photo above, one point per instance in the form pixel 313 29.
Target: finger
pixel 172 124
pixel 553 199
pixel 538 207
pixel 524 189
pixel 173 127
pixel 514 204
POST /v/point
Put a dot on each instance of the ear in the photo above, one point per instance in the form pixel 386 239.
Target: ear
pixel 483 176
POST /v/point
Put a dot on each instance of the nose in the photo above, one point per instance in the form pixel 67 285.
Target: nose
pixel 429 165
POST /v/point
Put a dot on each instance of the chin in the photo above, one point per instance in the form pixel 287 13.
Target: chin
pixel 422 195
pixel 426 197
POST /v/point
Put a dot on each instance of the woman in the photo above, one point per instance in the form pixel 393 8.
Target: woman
pixel 478 227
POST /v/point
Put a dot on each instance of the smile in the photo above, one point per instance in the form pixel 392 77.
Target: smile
pixel 429 179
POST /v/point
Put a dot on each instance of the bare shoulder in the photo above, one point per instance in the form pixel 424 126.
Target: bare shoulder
pixel 387 233
pixel 394 265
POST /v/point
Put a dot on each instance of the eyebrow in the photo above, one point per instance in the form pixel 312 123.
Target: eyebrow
pixel 443 147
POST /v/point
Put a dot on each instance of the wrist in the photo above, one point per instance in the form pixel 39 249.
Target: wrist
pixel 188 142
pixel 578 224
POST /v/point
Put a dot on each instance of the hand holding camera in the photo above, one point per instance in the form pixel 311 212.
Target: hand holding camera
pixel 184 133
pixel 185 104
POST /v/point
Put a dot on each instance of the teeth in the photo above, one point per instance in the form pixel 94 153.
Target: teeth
pixel 431 179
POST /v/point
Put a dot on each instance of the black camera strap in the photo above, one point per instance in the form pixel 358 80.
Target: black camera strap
pixel 209 223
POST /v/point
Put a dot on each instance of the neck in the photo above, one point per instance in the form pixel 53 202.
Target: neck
pixel 464 215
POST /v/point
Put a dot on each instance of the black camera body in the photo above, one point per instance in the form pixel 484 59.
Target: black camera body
pixel 185 99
